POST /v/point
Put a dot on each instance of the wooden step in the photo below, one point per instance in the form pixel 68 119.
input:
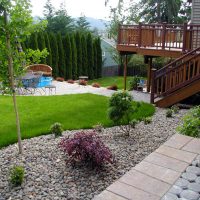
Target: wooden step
pixel 179 95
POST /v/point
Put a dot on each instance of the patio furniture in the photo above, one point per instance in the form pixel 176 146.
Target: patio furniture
pixel 142 84
pixel 46 69
pixel 50 88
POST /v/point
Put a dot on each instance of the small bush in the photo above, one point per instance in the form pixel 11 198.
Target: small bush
pixel 56 129
pixel 169 113
pixel 70 81
pixel 175 109
pixel 133 83
pixel 17 175
pixel 86 147
pixel 191 123
pixel 147 120
pixel 112 87
pixel 60 79
pixel 97 85
pixel 98 127
pixel 83 82
pixel 133 123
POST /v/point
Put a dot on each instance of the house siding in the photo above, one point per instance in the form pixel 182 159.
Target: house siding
pixel 195 12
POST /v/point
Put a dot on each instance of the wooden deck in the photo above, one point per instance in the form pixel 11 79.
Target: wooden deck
pixel 165 40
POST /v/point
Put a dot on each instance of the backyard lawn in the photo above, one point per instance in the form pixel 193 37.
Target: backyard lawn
pixel 38 113
pixel 108 81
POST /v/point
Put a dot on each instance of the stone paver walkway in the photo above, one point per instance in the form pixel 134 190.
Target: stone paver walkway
pixel 152 178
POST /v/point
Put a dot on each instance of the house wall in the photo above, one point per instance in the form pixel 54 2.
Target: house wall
pixel 195 19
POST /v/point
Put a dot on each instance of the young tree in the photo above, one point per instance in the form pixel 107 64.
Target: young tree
pixel 84 56
pixel 15 25
pixel 90 56
pixel 74 57
pixel 68 56
pixel 79 53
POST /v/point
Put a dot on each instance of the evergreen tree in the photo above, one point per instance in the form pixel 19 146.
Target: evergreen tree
pixel 79 53
pixel 61 60
pixel 33 41
pixel 95 58
pixel 84 56
pixel 74 57
pixel 68 56
pixel 41 45
pixel 55 55
pixel 82 25
pixel 47 42
pixel 99 58
pixel 90 56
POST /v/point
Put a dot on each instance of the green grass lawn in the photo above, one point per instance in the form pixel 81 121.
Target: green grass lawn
pixel 108 81
pixel 37 114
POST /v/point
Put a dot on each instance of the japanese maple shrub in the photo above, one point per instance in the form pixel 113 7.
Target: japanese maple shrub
pixel 86 147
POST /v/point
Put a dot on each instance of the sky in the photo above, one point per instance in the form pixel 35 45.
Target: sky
pixel 76 8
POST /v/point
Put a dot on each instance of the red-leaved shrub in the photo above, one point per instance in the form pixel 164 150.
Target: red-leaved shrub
pixel 82 82
pixel 112 87
pixel 86 147
pixel 97 85
pixel 70 81
pixel 60 79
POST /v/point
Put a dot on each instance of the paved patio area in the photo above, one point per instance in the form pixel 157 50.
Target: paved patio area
pixel 67 88
pixel 156 174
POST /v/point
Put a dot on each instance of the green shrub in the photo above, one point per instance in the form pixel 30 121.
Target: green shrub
pixel 133 83
pixel 56 129
pixel 120 109
pixel 169 113
pixel 17 175
pixel 191 123
pixel 98 127
pixel 175 108
pixel 147 120
pixel 133 123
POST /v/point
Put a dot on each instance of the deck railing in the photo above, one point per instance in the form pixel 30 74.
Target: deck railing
pixel 176 75
pixel 183 37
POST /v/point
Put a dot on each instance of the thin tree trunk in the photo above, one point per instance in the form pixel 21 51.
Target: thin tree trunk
pixel 11 79
pixel 158 11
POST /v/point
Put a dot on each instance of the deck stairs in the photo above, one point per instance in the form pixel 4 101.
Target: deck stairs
pixel 176 81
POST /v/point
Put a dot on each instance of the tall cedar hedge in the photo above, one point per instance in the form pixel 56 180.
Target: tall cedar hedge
pixel 70 56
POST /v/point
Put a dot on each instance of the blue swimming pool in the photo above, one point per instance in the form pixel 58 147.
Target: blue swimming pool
pixel 44 81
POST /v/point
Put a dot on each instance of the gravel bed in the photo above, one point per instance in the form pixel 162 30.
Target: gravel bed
pixel 48 177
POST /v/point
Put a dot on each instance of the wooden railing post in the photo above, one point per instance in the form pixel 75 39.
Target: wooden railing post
pixel 152 85
pixel 184 36
pixel 140 34
pixel 163 35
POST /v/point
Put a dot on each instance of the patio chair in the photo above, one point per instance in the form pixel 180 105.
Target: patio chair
pixel 142 84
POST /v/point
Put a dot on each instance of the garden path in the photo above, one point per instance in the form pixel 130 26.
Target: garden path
pixel 67 88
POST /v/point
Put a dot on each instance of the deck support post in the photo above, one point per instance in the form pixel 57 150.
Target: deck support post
pixel 125 71
pixel 149 74
pixel 152 85
pixel 184 36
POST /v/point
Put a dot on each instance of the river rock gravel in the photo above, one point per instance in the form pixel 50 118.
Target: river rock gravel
pixel 47 176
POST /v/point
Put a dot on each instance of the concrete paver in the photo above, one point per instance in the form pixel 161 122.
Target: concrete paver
pixel 106 195
pixel 165 161
pixel 178 141
pixel 145 182
pixel 158 172
pixel 130 192
pixel 176 153
pixel 193 146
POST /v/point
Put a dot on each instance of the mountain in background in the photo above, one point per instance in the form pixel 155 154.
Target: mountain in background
pixel 100 24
